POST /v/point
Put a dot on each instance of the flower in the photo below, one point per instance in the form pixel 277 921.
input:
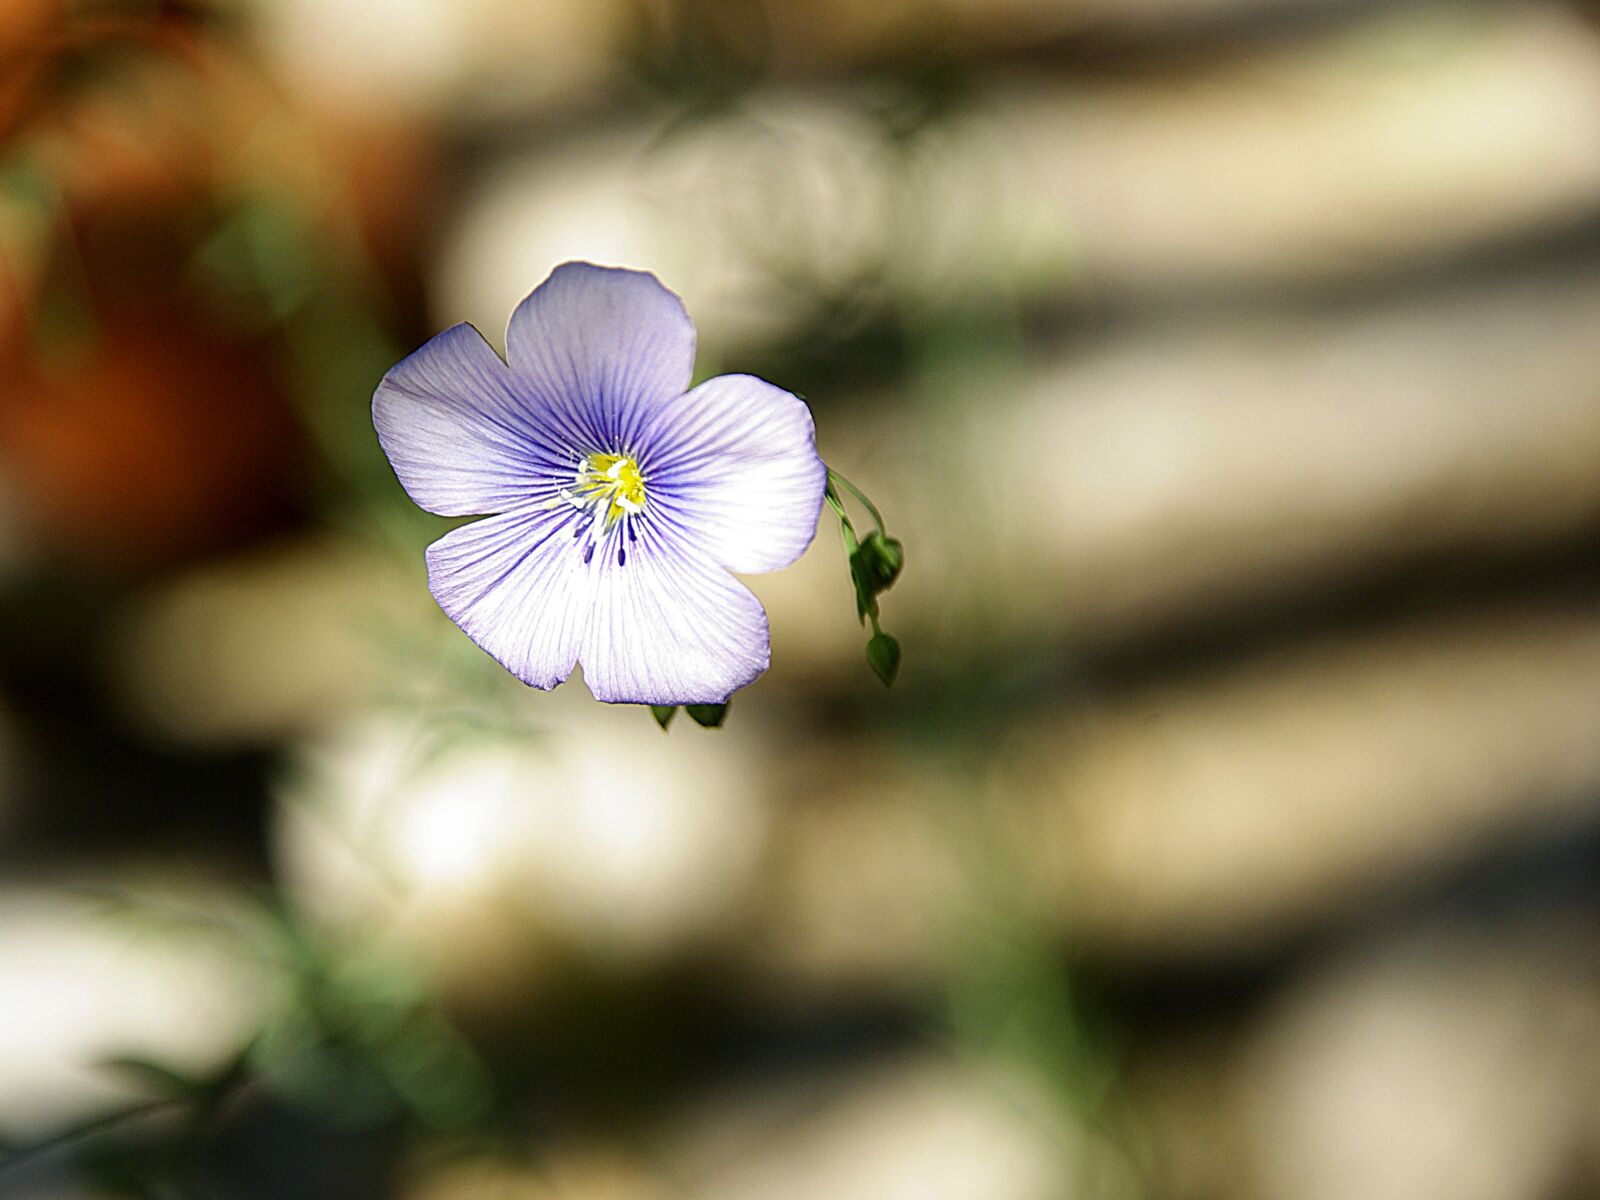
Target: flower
pixel 620 501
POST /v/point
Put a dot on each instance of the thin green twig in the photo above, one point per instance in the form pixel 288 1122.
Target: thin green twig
pixel 877 517
pixel 847 531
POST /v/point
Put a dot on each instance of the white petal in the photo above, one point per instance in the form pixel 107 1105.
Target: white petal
pixel 603 345
pixel 518 587
pixel 734 466
pixel 457 433
pixel 670 626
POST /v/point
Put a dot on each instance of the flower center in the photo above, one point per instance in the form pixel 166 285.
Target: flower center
pixel 611 480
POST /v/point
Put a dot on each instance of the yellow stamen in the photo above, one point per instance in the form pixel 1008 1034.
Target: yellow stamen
pixel 614 479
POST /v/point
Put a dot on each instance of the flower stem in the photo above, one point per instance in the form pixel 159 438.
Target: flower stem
pixel 847 531
pixel 833 478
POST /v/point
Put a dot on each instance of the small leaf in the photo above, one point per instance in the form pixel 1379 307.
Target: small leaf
pixel 663 713
pixel 883 655
pixel 881 560
pixel 708 716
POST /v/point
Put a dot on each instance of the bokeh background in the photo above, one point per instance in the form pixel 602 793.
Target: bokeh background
pixel 1231 371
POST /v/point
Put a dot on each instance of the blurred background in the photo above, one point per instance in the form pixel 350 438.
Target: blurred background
pixel 1231 371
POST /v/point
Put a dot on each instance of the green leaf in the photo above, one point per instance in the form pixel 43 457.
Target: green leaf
pixel 883 655
pixel 881 560
pixel 663 713
pixel 708 716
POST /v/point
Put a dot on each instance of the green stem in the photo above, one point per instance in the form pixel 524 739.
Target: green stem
pixel 835 477
pixel 832 497
pixel 847 531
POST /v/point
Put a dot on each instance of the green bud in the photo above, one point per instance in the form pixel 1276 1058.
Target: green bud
pixel 881 559
pixel 663 713
pixel 883 655
pixel 709 716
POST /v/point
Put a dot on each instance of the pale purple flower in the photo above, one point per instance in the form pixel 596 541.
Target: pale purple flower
pixel 621 501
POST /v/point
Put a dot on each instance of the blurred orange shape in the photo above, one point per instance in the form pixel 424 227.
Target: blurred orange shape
pixel 160 442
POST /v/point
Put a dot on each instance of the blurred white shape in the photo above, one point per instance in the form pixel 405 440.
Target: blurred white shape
pixel 746 216
pixel 81 982
pixel 1219 462
pixel 601 834
pixel 914 1129
pixel 465 828
pixel 394 50
pixel 261 646
pixel 383 57
pixel 1447 1067
pixel 1400 137
pixel 1240 803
